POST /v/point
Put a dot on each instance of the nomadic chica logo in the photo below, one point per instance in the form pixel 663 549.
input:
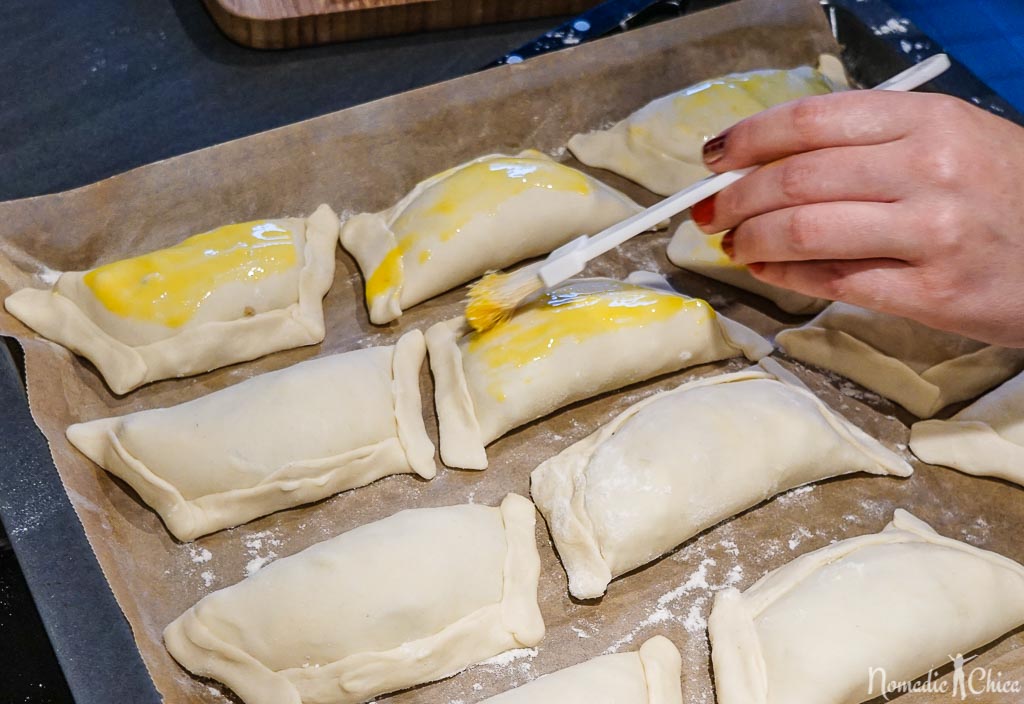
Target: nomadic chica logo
pixel 965 682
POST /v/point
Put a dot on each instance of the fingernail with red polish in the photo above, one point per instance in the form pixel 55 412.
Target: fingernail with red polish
pixel 756 267
pixel 704 211
pixel 728 244
pixel 714 148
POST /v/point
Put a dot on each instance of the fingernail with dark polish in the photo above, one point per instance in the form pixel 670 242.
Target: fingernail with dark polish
pixel 714 148
pixel 728 244
pixel 756 267
pixel 704 211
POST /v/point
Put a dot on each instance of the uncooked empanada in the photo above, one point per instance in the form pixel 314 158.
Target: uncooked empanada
pixel 486 214
pixel 274 441
pixel 579 340
pixel 648 676
pixel 672 465
pixel 985 439
pixel 398 602
pixel 831 626
pixel 659 145
pixel 695 251
pixel 918 367
pixel 226 296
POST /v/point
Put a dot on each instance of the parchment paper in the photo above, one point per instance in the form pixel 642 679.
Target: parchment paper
pixel 363 159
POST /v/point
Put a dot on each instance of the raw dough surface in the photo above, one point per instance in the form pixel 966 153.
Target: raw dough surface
pixel 274 441
pixel 905 600
pixel 391 604
pixel 920 368
pixel 674 464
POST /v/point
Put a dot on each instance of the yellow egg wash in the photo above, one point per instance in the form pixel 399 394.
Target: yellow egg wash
pixel 447 206
pixel 722 259
pixel 739 96
pixel 168 286
pixel 573 313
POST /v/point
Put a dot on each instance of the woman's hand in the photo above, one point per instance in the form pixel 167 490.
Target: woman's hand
pixel 906 203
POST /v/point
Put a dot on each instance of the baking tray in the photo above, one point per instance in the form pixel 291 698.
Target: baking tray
pixel 90 636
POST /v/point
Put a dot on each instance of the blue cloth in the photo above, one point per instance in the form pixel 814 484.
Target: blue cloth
pixel 987 36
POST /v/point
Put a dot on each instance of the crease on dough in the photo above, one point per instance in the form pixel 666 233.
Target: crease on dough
pixel 662 667
pixel 695 251
pixel 970 441
pixel 515 622
pixel 204 347
pixel 463 444
pixel 291 485
pixel 740 669
pixel 558 485
pixel 368 237
pixel 924 394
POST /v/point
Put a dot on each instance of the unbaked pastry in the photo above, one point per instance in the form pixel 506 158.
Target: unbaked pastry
pixel 918 367
pixel 226 296
pixel 901 601
pixel 696 251
pixel 985 439
pixel 585 337
pixel 648 676
pixel 671 466
pixel 659 145
pixel 486 214
pixel 274 441
pixel 405 600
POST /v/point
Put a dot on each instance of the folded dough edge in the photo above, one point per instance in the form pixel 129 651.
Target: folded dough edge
pixel 513 623
pixel 922 394
pixel 204 347
pixel 188 519
pixel 739 666
pixel 662 668
pixel 557 484
pixel 970 446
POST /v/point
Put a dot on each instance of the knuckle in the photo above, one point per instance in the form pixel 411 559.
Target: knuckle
pixel 946 228
pixel 803 232
pixel 945 165
pixel 795 179
pixel 809 116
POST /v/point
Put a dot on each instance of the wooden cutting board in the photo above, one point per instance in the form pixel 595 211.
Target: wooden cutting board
pixel 285 24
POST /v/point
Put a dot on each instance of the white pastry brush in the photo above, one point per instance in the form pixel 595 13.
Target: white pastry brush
pixel 496 296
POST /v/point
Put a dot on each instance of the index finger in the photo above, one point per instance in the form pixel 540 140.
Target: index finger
pixel 852 118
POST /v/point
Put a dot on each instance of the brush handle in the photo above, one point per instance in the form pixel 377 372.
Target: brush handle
pixel 570 259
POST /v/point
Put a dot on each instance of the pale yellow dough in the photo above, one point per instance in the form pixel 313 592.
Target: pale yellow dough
pixel 659 145
pixel 238 321
pixel 486 214
pixel 905 600
pixel 670 466
pixel 648 676
pixel 402 601
pixel 984 439
pixel 486 385
pixel 920 368
pixel 695 251
pixel 272 442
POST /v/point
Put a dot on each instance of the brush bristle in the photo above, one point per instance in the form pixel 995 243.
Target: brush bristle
pixel 494 298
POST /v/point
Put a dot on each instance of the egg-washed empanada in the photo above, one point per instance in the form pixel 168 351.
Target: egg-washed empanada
pixel 408 599
pixel 836 625
pixel 985 439
pixel 576 341
pixel 918 367
pixel 486 214
pixel 672 465
pixel 659 145
pixel 225 296
pixel 275 441
pixel 648 676
pixel 692 249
